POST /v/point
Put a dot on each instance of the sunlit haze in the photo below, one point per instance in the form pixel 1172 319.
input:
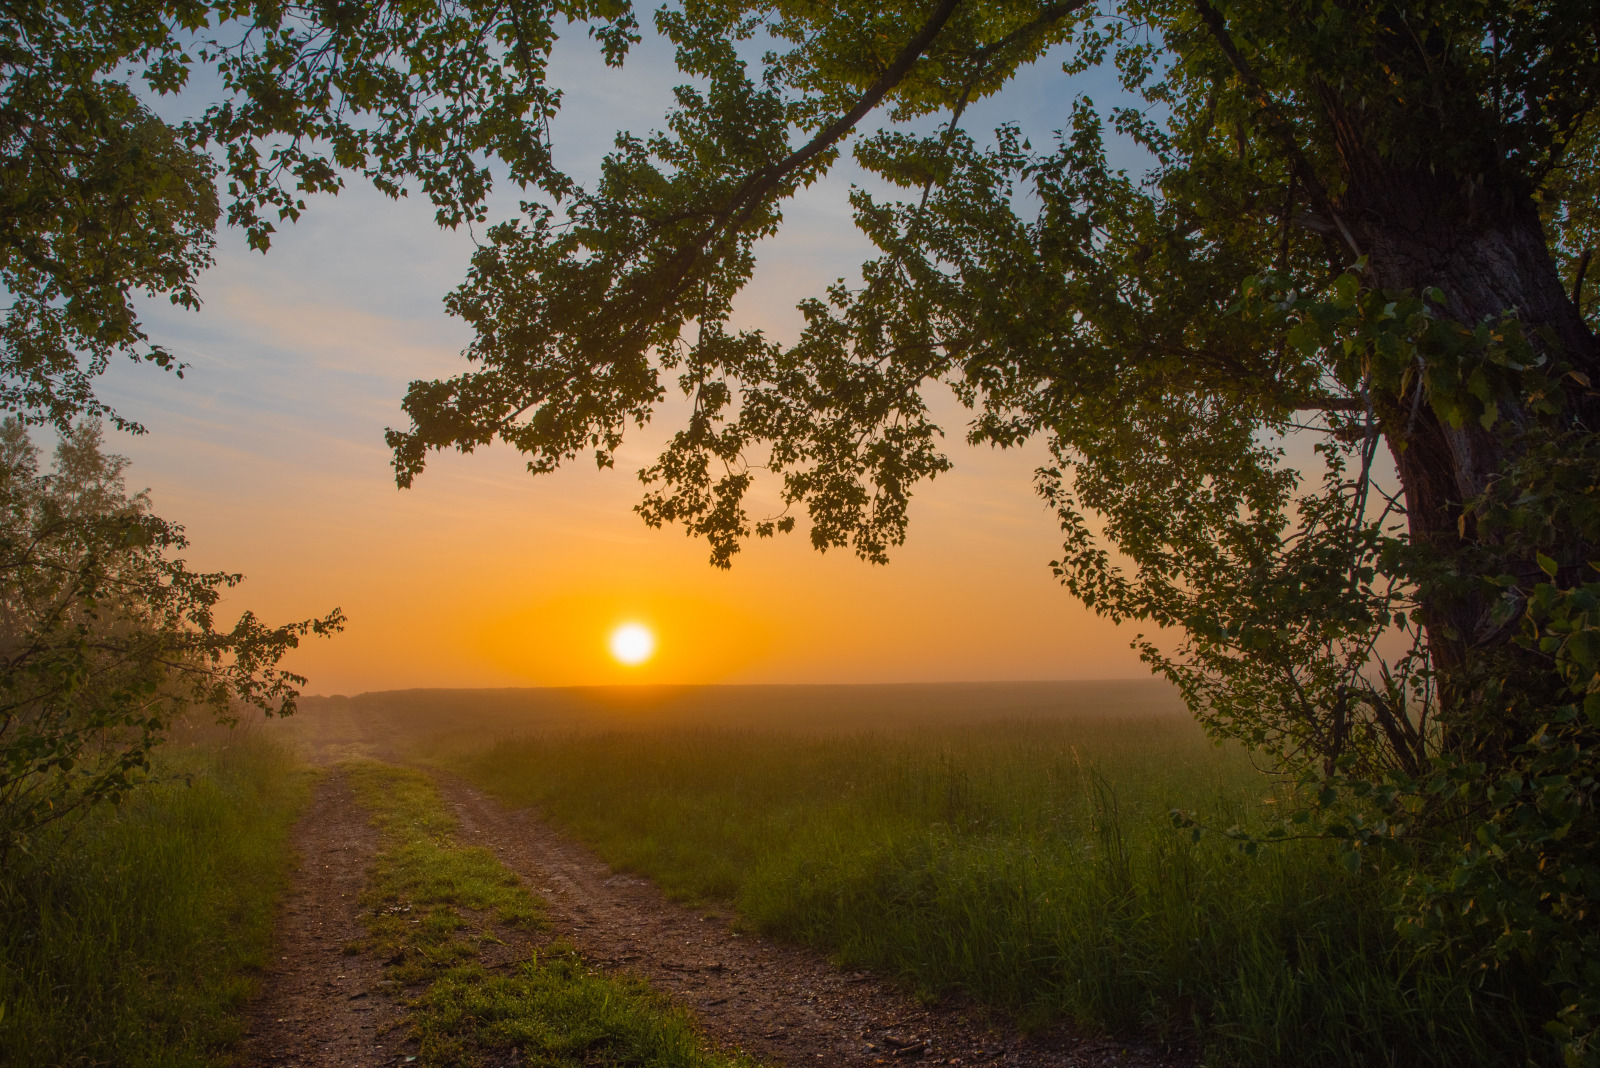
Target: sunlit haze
pixel 271 452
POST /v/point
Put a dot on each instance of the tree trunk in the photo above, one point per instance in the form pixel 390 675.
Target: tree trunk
pixel 1489 256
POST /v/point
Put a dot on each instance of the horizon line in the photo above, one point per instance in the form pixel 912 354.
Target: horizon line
pixel 736 685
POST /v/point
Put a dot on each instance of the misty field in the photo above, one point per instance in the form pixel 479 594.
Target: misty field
pixel 1032 865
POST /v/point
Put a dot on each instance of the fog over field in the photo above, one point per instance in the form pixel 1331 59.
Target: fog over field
pixel 785 708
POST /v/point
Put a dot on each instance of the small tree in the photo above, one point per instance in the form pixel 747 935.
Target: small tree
pixel 106 637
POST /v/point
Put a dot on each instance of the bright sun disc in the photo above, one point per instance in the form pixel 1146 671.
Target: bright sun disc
pixel 632 643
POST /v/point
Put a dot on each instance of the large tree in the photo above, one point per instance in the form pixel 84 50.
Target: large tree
pixel 1366 221
pixel 1446 153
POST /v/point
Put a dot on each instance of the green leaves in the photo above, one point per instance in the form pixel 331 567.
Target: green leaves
pixel 102 199
pixel 666 240
pixel 106 639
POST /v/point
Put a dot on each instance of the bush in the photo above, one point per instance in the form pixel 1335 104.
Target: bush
pixel 106 637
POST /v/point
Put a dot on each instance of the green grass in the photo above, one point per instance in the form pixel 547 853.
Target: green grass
pixel 433 903
pixel 133 939
pixel 429 900
pixel 1035 867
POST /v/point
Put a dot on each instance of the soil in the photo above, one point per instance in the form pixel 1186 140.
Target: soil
pixel 321 1007
pixel 786 1004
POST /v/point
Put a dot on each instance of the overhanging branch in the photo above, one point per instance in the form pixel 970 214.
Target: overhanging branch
pixel 1277 125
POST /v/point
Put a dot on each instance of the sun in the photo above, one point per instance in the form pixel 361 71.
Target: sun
pixel 632 643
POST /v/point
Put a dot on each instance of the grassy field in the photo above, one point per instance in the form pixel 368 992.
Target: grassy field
pixel 132 940
pixel 1031 864
pixel 431 905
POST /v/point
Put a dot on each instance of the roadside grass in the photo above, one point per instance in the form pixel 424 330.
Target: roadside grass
pixel 133 938
pixel 432 904
pixel 1034 866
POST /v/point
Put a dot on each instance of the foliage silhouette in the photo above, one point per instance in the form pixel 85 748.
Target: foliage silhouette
pixel 106 638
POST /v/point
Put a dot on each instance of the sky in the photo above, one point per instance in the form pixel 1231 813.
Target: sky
pixel 270 451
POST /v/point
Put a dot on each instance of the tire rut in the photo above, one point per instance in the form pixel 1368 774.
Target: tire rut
pixel 783 1003
pixel 319 1007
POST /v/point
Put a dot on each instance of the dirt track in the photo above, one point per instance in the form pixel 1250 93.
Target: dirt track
pixel 319 1006
pixel 786 1004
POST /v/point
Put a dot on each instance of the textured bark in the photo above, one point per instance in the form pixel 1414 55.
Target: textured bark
pixel 1486 264
pixel 1488 253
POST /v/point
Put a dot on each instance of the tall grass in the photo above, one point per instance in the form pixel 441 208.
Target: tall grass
pixel 432 903
pixel 131 938
pixel 1035 867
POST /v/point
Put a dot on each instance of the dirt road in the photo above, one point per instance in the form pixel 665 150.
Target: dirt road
pixel 784 1003
pixel 788 1005
pixel 319 1005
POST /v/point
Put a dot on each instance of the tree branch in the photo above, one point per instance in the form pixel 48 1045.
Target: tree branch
pixel 744 200
pixel 1277 125
pixel 757 185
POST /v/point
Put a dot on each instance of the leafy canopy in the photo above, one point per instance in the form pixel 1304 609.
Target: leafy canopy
pixel 101 200
pixel 1367 221
pixel 106 636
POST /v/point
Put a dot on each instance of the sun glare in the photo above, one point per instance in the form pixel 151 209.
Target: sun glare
pixel 632 643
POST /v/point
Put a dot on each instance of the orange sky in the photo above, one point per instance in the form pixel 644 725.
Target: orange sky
pixel 479 579
pixel 271 452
